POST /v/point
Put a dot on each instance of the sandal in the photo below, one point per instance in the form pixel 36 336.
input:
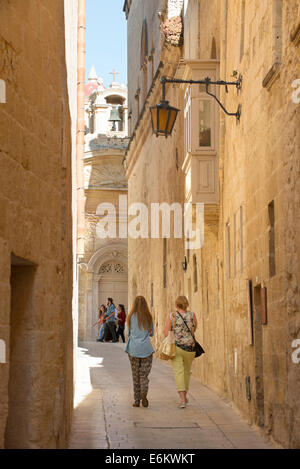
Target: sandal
pixel 186 401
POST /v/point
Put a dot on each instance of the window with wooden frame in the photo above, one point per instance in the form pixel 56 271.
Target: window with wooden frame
pixel 165 262
pixel 203 120
pixel 207 291
pixel 272 264
pixel 235 246
pixel 276 45
pixel 177 159
pixel 238 242
pixel 218 281
pixel 277 30
pixel 188 249
pixel 241 238
pixel 152 295
pixel 242 42
pixel 228 250
pixel 195 273
pixel 201 131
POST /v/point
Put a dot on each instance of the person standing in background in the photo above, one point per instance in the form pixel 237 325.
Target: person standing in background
pixel 121 322
pixel 102 311
pixel 109 319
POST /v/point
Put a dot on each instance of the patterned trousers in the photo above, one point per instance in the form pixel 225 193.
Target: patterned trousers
pixel 140 368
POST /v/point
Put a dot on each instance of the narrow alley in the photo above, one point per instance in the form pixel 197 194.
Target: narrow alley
pixel 149 188
pixel 105 419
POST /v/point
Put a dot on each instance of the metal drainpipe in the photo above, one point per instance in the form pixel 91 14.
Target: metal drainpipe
pixel 80 127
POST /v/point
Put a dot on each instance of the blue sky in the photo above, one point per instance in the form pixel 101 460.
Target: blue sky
pixel 106 39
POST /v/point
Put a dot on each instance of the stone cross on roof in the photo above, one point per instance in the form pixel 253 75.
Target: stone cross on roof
pixel 114 73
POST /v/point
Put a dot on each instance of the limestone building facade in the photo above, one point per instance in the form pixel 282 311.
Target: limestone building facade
pixel 104 265
pixel 37 68
pixel 243 283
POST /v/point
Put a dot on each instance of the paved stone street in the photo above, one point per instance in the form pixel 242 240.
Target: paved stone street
pixel 104 416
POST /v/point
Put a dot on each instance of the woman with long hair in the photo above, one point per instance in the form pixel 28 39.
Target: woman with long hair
pixel 139 348
pixel 102 311
pixel 184 323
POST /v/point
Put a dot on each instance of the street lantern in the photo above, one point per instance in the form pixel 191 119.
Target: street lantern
pixel 163 116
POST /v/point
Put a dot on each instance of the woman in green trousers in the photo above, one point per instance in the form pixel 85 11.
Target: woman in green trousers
pixel 183 322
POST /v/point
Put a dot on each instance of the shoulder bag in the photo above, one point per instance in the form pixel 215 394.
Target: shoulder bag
pixel 198 349
pixel 167 348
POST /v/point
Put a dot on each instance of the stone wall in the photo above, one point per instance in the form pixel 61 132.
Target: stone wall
pixel 257 165
pixel 35 227
pixel 71 25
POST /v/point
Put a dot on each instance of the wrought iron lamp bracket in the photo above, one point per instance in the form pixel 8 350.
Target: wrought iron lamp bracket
pixel 207 82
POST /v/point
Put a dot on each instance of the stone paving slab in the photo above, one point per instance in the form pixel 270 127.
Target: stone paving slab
pixel 104 416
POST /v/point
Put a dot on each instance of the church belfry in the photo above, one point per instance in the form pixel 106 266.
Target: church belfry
pixel 100 102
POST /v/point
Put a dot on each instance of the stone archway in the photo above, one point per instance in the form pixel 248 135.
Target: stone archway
pixel 113 282
pixel 107 273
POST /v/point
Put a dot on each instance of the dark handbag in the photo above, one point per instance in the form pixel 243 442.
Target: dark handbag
pixel 198 349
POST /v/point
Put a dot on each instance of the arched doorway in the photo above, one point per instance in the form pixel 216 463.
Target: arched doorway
pixel 113 283
pixel 107 277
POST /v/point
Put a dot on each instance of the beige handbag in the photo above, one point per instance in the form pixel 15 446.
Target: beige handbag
pixel 167 348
